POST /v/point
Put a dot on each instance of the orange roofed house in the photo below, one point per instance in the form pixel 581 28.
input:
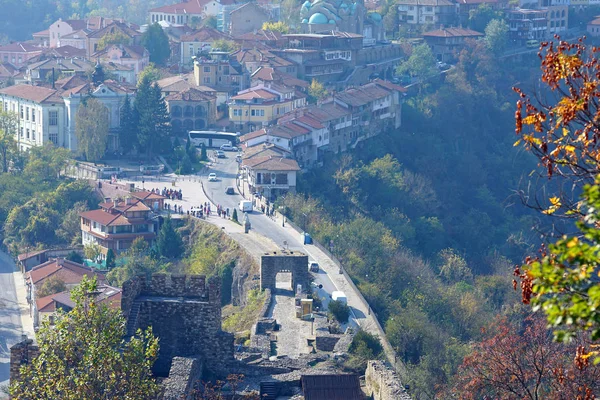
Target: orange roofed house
pixel 119 222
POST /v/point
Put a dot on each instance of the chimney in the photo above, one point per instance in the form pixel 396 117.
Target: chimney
pixel 107 199
pixel 129 201
pixel 115 203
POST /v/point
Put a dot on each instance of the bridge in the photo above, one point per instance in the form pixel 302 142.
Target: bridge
pixel 212 138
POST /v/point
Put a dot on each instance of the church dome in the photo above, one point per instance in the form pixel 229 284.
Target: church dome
pixel 332 21
pixel 317 18
pixel 306 4
pixel 305 21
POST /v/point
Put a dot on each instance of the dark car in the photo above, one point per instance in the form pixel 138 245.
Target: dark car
pixel 229 190
pixel 313 267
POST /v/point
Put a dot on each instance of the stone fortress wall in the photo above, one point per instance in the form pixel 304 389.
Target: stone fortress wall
pixel 185 313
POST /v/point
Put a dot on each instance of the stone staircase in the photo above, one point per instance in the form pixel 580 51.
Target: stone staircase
pixel 133 318
pixel 268 390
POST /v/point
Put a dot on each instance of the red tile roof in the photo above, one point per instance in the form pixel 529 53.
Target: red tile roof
pixel 105 294
pixel 68 271
pixel 205 35
pixel 21 48
pixel 101 216
pixel 30 254
pixel 190 94
pixel 307 120
pixel 269 163
pixel 255 94
pixel 46 304
pixel 252 135
pixel 186 7
pixel 36 94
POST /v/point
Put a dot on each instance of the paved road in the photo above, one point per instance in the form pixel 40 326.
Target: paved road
pixel 10 316
pixel 227 171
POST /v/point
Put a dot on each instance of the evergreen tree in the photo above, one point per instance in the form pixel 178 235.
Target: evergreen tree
pixel 234 216
pixel 203 155
pixel 128 128
pixel 98 75
pixel 75 257
pixel 157 43
pixel 153 126
pixel 168 242
pixel 110 259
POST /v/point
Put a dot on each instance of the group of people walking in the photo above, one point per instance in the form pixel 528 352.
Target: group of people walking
pixel 170 194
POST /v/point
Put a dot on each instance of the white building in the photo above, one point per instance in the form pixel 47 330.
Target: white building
pixel 40 112
pixel 271 176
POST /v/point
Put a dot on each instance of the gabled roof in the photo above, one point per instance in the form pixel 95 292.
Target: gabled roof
pixel 21 48
pixel 75 24
pixel 253 135
pixel 186 7
pixel 7 70
pixel 594 22
pixel 269 163
pixel 310 121
pixel 261 35
pixel 326 112
pixel 265 57
pixel 389 85
pixel 44 33
pixel 191 94
pixel 268 74
pixel 134 52
pixel 147 195
pixel 29 254
pixel 68 271
pixel 104 294
pixel 113 27
pixel 265 149
pixel 36 94
pixel 243 7
pixel 362 95
pixel 69 64
pixel 78 34
pixel 46 304
pixel 453 32
pixel 255 94
pixel 65 52
pixel 205 35
pixel 331 387
pixel 175 83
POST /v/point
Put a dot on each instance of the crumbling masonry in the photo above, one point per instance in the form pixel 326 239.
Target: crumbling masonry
pixel 185 313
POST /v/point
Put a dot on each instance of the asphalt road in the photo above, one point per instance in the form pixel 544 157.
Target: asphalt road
pixel 10 317
pixel 227 171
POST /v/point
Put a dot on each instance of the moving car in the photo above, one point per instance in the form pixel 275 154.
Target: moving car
pixel 219 154
pixel 229 190
pixel 228 147
pixel 313 267
pixel 212 177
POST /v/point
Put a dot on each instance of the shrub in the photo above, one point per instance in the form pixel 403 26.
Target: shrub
pixel 339 310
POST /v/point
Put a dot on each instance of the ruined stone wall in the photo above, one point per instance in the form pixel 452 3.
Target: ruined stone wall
pixel 185 313
pixel 293 261
pixel 183 376
pixel 21 353
pixel 382 383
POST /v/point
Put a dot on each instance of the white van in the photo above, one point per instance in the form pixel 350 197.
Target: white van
pixel 245 206
pixel 339 296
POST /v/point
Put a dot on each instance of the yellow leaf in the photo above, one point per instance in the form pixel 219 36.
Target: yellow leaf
pixel 518 142
pixel 529 120
pixel 565 131
pixel 555 201
pixel 573 242
pixel 570 149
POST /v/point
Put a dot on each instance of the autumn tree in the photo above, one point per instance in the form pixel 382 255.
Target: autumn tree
pixel 564 135
pixel 91 129
pixel 83 356
pixel 278 26
pixel 225 45
pixel 519 360
pixel 117 37
pixel 316 91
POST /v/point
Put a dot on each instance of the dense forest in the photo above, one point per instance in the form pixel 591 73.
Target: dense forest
pixel 426 218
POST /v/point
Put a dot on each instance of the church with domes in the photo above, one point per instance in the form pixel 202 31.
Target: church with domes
pixel 343 16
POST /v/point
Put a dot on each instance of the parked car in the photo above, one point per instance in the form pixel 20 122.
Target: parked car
pixel 228 147
pixel 443 66
pixel 212 177
pixel 313 267
pixel 229 190
pixel 219 154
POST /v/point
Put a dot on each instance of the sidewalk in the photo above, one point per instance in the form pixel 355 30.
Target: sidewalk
pixel 26 318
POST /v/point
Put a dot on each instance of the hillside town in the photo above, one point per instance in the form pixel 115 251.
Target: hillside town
pixel 169 184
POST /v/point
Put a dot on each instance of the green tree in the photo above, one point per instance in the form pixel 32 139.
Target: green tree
pixel 154 74
pixel 129 126
pixel 203 154
pixel 316 91
pixel 92 251
pixel 8 131
pixel 339 310
pixel 70 228
pixel 209 22
pixel 85 357
pixel 138 261
pixel 420 64
pixel 496 35
pixel 278 26
pixel 480 17
pixel 168 241
pixel 154 121
pixel 157 43
pixel 75 257
pixel 390 20
pixel 234 216
pixel 364 347
pixel 110 259
pixel 91 129
pixel 52 285
pixel 117 37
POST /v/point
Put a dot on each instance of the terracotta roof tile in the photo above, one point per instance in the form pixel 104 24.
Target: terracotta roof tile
pixel 269 163
pixel 186 7
pixel 453 32
pixel 36 94
pixel 68 271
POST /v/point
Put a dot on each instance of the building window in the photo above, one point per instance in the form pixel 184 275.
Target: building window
pixel 22 132
pixel 27 113
pixel 27 133
pixel 429 9
pixel 53 138
pixel 206 69
pixel 33 114
pixel 206 79
pixel 21 112
pixel 262 113
pixel 53 118
pixel 33 134
pixel 253 113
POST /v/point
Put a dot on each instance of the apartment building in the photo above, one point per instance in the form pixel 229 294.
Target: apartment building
pixel 527 24
pixel 417 13
pixel 19 54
